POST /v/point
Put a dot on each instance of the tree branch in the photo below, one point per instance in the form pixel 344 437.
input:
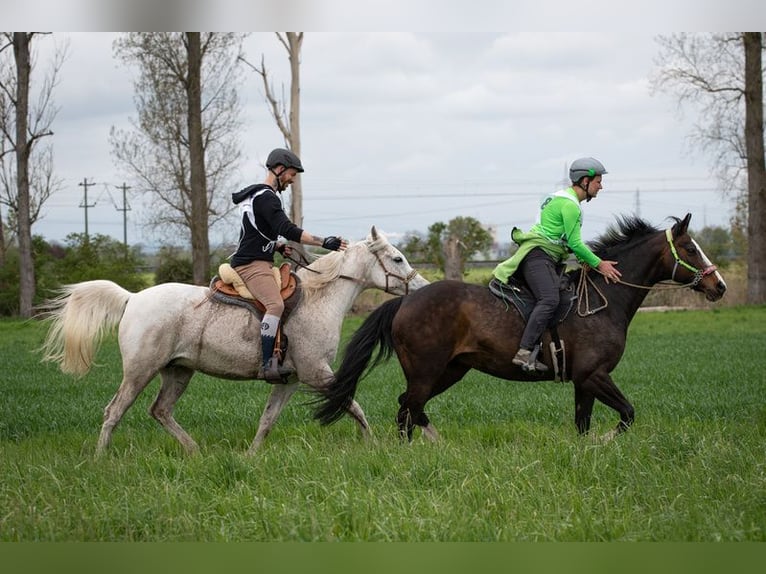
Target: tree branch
pixel 272 101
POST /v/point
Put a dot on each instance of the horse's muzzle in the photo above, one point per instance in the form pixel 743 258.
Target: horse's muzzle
pixel 716 291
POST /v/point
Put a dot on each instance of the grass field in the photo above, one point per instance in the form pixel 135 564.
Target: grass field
pixel 510 466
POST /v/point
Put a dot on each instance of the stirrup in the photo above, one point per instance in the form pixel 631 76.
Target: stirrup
pixel 273 373
pixel 528 362
pixel 559 357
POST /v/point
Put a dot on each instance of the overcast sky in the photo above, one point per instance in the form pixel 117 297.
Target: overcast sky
pixel 401 130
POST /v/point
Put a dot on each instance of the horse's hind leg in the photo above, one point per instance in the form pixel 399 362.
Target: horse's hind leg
pixel 175 380
pixel 410 414
pixel 278 398
pixel 356 412
pixel 125 396
pixel 420 389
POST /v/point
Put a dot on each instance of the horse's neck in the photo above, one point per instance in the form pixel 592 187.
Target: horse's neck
pixel 335 298
pixel 644 270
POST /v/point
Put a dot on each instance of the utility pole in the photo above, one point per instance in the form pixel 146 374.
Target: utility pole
pixel 85 205
pixel 638 203
pixel 125 209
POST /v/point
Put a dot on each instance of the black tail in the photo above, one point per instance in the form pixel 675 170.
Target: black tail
pixel 376 330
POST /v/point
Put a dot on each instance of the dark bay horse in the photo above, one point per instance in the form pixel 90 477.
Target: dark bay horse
pixel 445 329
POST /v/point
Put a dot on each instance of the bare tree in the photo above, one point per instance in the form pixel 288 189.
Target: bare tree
pixel 43 183
pixel 723 73
pixel 27 184
pixel 183 148
pixel 290 127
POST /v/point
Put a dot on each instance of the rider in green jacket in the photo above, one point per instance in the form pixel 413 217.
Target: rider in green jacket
pixel 543 249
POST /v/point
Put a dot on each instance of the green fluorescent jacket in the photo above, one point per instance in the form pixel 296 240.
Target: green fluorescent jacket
pixel 557 233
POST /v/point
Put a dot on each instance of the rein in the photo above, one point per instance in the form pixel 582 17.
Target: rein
pixel 302 265
pixel 583 310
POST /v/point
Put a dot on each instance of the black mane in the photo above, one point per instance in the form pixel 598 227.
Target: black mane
pixel 627 230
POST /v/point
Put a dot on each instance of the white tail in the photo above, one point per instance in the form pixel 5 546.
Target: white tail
pixel 80 316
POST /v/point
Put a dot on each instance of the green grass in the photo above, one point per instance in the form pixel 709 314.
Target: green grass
pixel 510 466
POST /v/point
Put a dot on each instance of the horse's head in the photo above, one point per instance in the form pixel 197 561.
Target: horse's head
pixel 688 263
pixel 390 270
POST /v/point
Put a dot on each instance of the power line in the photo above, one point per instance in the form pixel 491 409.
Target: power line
pixel 506 194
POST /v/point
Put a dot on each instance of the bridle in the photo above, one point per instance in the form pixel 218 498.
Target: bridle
pixel 583 305
pixel 699 274
pixel 405 280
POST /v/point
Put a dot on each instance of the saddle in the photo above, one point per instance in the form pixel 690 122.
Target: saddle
pixel 517 292
pixel 228 287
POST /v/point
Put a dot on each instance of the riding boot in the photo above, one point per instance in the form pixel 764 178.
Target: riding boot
pixel 271 371
pixel 528 362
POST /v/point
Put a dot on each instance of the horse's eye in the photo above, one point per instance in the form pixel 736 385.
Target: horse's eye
pixel 691 249
pixel 398 259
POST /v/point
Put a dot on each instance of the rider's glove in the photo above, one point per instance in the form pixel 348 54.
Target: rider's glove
pixel 332 243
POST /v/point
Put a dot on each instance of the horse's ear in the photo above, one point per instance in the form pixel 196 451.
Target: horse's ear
pixel 374 233
pixel 681 227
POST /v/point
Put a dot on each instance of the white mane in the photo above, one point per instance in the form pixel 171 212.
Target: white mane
pixel 328 267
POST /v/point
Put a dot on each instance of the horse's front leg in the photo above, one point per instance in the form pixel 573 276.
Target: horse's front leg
pixel 583 409
pixel 280 394
pixel 600 385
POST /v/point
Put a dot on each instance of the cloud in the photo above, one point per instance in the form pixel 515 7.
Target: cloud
pixel 405 129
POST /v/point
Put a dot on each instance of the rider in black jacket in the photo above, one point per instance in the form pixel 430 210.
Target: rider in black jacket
pixel 263 222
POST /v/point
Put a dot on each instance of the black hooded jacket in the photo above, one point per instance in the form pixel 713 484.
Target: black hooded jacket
pixel 263 221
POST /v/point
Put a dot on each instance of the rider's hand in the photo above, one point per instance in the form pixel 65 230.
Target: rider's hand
pixel 284 249
pixel 609 271
pixel 334 243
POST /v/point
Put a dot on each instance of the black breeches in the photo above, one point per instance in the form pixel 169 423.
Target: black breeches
pixel 541 274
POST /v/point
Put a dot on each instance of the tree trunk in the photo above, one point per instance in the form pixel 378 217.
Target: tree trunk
pixel 199 203
pixel 2 239
pixel 26 261
pixel 756 169
pixel 295 40
pixel 453 264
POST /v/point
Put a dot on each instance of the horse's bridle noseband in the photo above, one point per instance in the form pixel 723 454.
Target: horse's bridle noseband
pixel 405 280
pixel 699 274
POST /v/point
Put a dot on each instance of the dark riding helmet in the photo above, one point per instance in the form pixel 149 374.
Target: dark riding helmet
pixel 585 167
pixel 285 157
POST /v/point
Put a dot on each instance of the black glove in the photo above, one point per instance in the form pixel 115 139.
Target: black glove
pixel 332 243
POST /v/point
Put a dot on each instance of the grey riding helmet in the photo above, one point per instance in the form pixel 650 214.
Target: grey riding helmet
pixel 285 157
pixel 585 167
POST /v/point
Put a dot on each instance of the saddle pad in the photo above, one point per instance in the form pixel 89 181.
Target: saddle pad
pixel 226 293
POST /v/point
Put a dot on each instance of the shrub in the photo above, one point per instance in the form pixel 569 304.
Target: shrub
pixel 173 267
